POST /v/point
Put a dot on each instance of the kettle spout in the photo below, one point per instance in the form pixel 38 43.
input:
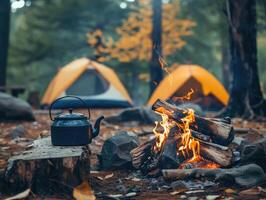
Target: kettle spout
pixel 96 128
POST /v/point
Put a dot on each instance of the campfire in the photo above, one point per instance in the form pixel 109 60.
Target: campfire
pixel 184 140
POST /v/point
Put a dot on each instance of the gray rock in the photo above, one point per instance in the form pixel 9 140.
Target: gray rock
pixel 142 115
pixel 12 108
pixel 254 153
pixel 18 132
pixel 115 153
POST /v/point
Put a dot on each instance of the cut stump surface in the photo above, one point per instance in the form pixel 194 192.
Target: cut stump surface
pixel 47 168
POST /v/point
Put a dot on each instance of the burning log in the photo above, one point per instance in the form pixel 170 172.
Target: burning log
pixel 200 136
pixel 216 153
pixel 141 153
pixel 220 130
pixel 219 154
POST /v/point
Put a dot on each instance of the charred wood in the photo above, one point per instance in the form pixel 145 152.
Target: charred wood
pixel 220 130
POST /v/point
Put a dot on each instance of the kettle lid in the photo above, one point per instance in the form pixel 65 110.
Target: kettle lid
pixel 71 116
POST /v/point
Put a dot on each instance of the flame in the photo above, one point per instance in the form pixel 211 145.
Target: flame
pixel 166 124
pixel 189 147
pixel 188 143
pixel 186 97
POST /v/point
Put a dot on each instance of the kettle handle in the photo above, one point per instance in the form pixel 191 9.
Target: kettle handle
pixel 68 96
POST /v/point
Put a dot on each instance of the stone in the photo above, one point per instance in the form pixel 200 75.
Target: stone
pixel 12 108
pixel 18 132
pixel 142 115
pixel 115 153
pixel 254 153
pixel 246 176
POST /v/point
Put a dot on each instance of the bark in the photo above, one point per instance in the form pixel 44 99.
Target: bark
pixel 156 72
pixel 46 168
pixel 246 98
pixel 4 35
pixel 220 130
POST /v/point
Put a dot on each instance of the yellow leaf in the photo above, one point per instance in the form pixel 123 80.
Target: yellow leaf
pixel 83 192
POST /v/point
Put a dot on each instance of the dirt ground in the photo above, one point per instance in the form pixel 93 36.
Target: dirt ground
pixel 108 183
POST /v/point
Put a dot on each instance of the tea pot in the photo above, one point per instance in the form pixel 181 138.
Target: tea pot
pixel 73 129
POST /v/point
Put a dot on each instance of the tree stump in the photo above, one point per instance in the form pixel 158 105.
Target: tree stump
pixel 47 169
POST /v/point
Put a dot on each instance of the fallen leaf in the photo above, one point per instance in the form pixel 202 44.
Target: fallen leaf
pixel 100 178
pixel 212 197
pixel 175 192
pixel 131 194
pixel 251 191
pixel 115 195
pixel 21 195
pixel 136 179
pixel 195 191
pixel 83 192
pixel 94 172
pixel 109 176
pixel 230 191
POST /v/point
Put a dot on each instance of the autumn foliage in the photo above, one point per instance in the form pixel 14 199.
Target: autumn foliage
pixel 134 41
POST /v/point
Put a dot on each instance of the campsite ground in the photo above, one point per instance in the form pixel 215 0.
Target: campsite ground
pixel 114 182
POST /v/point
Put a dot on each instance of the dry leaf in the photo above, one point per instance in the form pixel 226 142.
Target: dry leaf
pixel 109 176
pixel 136 179
pixel 230 191
pixel 21 195
pixel 100 178
pixel 83 192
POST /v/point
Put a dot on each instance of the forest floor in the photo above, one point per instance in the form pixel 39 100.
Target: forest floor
pixel 106 183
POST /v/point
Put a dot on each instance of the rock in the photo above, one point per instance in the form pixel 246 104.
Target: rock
pixel 12 108
pixel 142 115
pixel 115 152
pixel 18 132
pixel 254 153
pixel 179 186
pixel 244 177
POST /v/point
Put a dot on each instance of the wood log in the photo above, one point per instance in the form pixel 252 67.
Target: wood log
pixel 200 136
pixel 141 153
pixel 216 153
pixel 219 154
pixel 245 176
pixel 220 130
pixel 45 168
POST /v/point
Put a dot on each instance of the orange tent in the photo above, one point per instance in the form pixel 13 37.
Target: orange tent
pixel 97 84
pixel 208 91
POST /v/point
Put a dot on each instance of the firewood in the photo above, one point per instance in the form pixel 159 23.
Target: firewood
pixel 220 130
pixel 245 176
pixel 141 153
pixel 219 154
pixel 200 136
pixel 44 167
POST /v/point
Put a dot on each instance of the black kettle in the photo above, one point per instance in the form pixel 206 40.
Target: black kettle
pixel 73 129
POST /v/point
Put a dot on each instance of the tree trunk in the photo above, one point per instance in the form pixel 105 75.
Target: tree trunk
pixel 156 72
pixel 4 33
pixel 245 91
